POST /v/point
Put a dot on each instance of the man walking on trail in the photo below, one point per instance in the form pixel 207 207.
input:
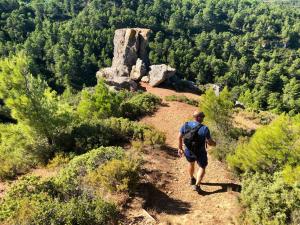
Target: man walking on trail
pixel 197 153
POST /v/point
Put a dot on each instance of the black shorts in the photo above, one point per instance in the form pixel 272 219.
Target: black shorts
pixel 202 160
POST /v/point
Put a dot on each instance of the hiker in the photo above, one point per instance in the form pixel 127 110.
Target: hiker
pixel 200 138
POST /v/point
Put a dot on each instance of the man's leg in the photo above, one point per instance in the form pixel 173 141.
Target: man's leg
pixel 202 163
pixel 200 175
pixel 191 169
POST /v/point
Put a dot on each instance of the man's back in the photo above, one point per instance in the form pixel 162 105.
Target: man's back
pixel 203 132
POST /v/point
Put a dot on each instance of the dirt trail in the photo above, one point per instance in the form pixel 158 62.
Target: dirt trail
pixel 170 197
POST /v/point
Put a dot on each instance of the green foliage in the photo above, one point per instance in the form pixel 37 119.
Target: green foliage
pixel 218 112
pixel 100 104
pixel 69 180
pixel 112 131
pixel 269 200
pixel 30 99
pixel 182 98
pixel 139 105
pixel 271 148
pixel 218 109
pixel 248 44
pixel 116 175
pixel 271 194
pixel 19 150
pixel 59 160
pixel 33 201
pixel 65 198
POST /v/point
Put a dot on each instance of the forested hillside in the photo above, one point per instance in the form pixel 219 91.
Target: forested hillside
pixel 250 46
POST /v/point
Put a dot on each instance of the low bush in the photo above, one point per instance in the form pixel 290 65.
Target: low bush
pixel 60 159
pixel 269 162
pixel 112 131
pixel 69 179
pixel 271 148
pixel 33 201
pixel 19 150
pixel 66 198
pixel 182 98
pixel 139 105
pixel 270 200
pixel 116 175
pixel 101 103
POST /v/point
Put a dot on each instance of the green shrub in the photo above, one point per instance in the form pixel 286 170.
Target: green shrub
pixel 112 131
pixel 153 137
pixel 116 175
pixel 139 105
pixel 24 188
pixel 36 203
pixel 62 199
pixel 271 148
pixel 20 150
pixel 60 159
pixel 270 200
pixel 101 103
pixel 182 98
pixel 218 109
pixel 98 103
pixel 68 180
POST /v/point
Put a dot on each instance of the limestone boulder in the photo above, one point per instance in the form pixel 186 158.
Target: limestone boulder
pixel 145 79
pixel 129 45
pixel 138 70
pixel 110 72
pixel 160 73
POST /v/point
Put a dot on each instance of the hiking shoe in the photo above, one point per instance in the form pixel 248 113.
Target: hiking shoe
pixel 196 188
pixel 193 181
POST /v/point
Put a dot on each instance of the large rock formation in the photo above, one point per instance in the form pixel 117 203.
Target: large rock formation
pixel 130 62
pixel 160 73
pixel 130 58
pixel 129 45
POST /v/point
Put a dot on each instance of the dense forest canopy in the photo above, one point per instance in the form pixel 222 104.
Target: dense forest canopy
pixel 250 46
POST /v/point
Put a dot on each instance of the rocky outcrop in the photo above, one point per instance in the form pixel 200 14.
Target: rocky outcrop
pixel 145 79
pixel 129 45
pixel 131 63
pixel 160 73
pixel 138 70
pixel 130 58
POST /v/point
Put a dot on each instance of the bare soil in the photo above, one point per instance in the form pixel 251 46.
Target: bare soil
pixel 166 196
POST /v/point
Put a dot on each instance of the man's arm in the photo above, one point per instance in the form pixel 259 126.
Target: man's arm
pixel 211 142
pixel 180 145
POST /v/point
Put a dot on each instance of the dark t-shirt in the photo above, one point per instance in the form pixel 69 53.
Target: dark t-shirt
pixel 203 132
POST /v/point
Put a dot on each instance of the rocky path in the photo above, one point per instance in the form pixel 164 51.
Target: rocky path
pixel 170 199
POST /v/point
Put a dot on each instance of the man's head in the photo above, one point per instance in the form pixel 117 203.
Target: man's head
pixel 198 116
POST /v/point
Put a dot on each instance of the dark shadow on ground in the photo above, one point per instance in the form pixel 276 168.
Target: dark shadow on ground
pixel 224 187
pixel 140 88
pixel 179 88
pixel 155 176
pixel 160 202
pixel 173 152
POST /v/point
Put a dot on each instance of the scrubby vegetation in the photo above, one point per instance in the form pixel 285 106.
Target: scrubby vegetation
pixel 218 112
pixel 270 161
pixel 182 98
pixel 67 198
pixel 48 123
pixel 267 162
pixel 54 112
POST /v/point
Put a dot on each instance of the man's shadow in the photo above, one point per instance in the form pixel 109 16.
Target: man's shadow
pixel 224 187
